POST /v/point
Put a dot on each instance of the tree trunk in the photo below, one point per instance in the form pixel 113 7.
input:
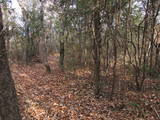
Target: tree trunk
pixel 43 46
pixel 96 49
pixel 8 99
pixel 157 58
pixel 61 59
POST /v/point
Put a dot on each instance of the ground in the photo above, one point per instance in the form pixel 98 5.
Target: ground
pixel 70 96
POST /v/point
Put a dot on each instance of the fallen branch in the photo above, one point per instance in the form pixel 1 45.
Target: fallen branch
pixel 157 114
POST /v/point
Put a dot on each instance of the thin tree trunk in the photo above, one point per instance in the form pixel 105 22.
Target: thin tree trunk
pixel 96 49
pixel 61 59
pixel 43 46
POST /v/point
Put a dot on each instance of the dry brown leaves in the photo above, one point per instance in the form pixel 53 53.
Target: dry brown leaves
pixel 70 96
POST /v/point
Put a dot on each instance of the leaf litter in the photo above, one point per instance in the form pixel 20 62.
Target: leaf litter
pixel 70 96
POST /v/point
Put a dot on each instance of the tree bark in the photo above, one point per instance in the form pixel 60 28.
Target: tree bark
pixel 61 59
pixel 8 99
pixel 43 46
pixel 97 50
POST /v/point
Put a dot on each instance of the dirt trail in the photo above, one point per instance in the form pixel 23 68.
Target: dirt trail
pixel 62 96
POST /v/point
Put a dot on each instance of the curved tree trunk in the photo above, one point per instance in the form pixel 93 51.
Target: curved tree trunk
pixel 8 99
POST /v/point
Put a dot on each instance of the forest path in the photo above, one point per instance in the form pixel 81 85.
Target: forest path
pixel 64 95
pixel 55 96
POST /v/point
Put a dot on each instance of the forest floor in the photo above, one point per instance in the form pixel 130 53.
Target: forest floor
pixel 70 96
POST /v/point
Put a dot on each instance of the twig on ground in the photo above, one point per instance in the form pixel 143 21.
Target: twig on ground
pixel 157 114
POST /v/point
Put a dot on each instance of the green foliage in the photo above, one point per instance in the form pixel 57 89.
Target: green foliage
pixel 137 14
pixel 85 6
